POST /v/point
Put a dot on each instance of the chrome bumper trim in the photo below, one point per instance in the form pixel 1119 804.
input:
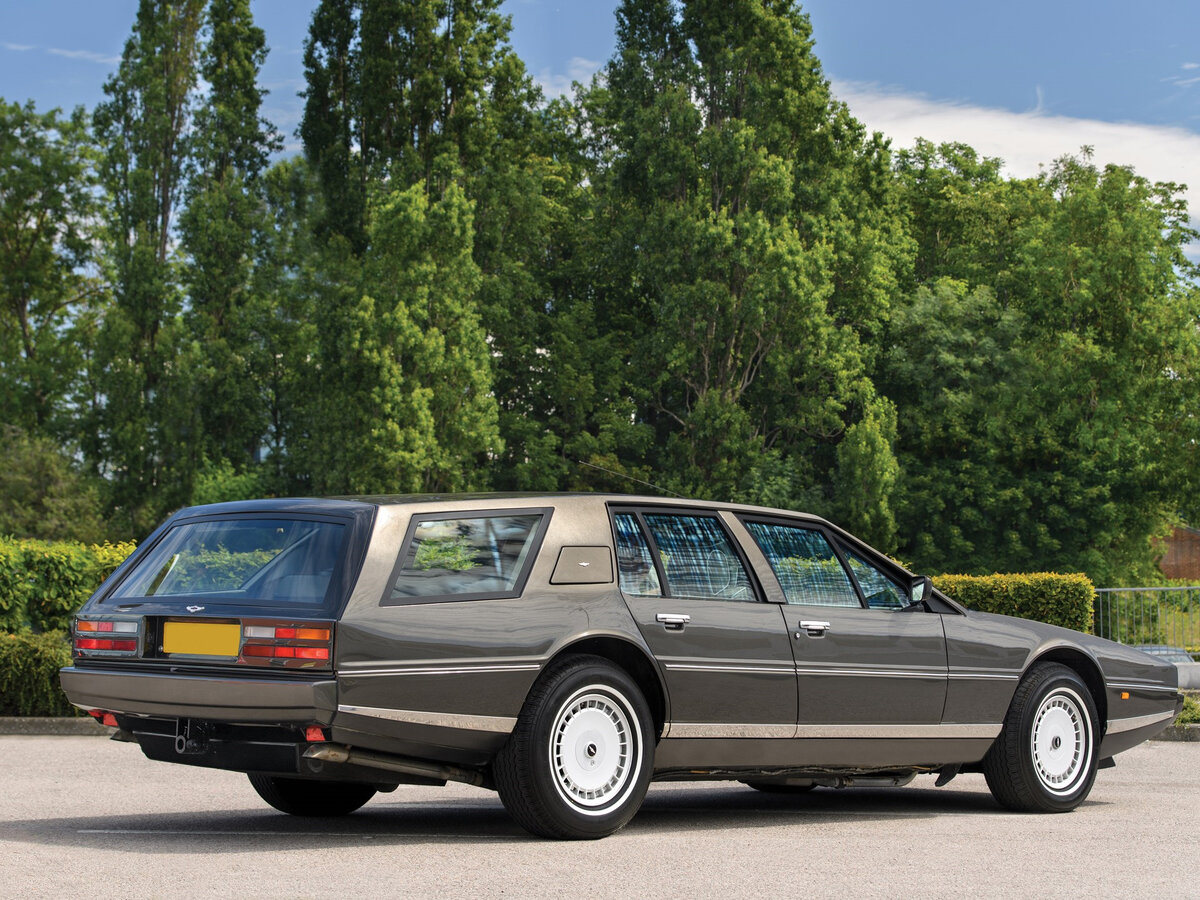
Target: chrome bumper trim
pixel 1116 726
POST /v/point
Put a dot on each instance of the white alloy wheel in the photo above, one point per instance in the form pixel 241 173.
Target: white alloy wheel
pixel 1061 741
pixel 1044 759
pixel 579 761
pixel 593 749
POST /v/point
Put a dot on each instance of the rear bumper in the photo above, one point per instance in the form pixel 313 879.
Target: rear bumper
pixel 215 697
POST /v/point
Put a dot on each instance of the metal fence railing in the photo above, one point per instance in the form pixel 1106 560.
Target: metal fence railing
pixel 1168 616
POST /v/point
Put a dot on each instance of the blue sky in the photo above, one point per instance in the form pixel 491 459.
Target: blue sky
pixel 1026 81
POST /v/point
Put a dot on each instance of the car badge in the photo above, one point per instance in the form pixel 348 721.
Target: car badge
pixel 585 564
pixel 194 608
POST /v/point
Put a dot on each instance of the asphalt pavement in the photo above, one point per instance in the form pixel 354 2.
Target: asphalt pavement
pixel 86 817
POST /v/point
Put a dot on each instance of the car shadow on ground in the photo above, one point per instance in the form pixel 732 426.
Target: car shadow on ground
pixel 482 818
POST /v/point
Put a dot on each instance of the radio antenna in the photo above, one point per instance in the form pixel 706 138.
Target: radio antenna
pixel 628 477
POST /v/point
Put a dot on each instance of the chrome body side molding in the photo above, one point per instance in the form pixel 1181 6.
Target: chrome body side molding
pixel 718 730
pixel 497 724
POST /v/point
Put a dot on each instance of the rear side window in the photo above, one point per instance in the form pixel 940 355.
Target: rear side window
pixel 463 557
pixel 634 562
pixel 804 562
pixel 271 562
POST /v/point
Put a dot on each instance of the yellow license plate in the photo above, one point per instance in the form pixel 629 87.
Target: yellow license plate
pixel 202 638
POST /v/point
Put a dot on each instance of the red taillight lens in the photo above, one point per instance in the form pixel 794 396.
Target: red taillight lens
pixel 104 644
pixel 108 636
pixel 289 644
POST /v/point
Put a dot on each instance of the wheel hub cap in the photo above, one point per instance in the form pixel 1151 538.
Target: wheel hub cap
pixel 1061 742
pixel 592 749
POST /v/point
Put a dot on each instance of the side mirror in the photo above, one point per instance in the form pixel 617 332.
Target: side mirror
pixel 920 594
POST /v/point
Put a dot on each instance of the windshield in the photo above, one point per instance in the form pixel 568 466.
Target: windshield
pixel 275 562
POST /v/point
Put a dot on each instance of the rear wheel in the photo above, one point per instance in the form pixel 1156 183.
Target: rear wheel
pixel 579 761
pixel 1045 757
pixel 306 797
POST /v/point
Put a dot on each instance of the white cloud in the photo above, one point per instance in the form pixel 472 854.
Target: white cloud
pixel 557 84
pixel 1027 141
pixel 1191 66
pixel 20 47
pixel 88 55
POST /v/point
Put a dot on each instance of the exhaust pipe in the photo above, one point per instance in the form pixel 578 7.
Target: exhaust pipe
pixel 335 753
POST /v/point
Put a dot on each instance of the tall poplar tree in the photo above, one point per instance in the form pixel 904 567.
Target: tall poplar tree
pixel 48 278
pixel 227 360
pixel 420 97
pixel 134 434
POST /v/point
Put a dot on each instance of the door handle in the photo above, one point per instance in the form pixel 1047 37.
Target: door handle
pixel 673 621
pixel 812 629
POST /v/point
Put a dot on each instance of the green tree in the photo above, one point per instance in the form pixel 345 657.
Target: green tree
pixel 426 95
pixel 42 493
pixel 47 261
pixel 1045 420
pixel 403 402
pixel 136 434
pixel 220 230
pixel 756 232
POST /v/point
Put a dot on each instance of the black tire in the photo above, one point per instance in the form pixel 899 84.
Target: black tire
pixel 769 787
pixel 578 763
pixel 1044 759
pixel 307 797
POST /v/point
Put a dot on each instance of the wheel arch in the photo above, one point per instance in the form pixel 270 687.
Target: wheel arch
pixel 1087 669
pixel 632 659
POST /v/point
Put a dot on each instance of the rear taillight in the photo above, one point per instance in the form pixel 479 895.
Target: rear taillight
pixel 106 636
pixel 285 643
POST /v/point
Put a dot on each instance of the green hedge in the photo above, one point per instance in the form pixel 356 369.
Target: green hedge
pixel 29 665
pixel 1064 600
pixel 43 583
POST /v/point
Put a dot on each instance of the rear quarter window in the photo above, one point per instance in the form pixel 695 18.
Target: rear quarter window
pixel 467 556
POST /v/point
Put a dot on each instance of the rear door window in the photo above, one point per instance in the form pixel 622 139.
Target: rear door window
pixel 697 557
pixel 471 556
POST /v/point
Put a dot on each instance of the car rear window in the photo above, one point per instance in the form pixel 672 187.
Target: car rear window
pixel 256 561
pixel 461 557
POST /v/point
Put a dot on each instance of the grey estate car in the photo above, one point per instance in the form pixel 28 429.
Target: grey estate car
pixel 565 650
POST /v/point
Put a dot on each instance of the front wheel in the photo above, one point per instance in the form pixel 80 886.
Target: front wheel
pixel 1045 757
pixel 579 761
pixel 308 797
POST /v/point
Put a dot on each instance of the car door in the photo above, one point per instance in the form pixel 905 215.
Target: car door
pixel 864 667
pixel 724 652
